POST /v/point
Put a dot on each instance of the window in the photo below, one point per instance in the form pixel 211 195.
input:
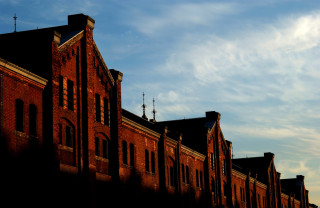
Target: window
pixel 242 193
pixel 105 148
pixel 197 178
pixel 235 192
pixel 124 152
pixel 60 90
pixel 68 136
pixel 97 146
pixel 70 94
pixel 106 111
pixel 19 115
pixel 98 110
pixel 171 176
pixel 225 189
pixel 32 120
pixel 153 164
pixel 182 173
pixel 98 68
pixel 201 181
pixel 131 155
pixel 187 174
pixel 146 154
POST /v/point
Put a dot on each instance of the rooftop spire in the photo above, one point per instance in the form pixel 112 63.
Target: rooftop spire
pixel 154 111
pixel 15 22
pixel 144 108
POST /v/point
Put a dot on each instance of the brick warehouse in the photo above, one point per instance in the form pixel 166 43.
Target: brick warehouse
pixel 57 94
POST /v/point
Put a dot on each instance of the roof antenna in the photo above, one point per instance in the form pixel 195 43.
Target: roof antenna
pixel 232 155
pixel 154 112
pixel 15 22
pixel 144 108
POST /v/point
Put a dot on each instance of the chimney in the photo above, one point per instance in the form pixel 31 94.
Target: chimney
pixel 213 115
pixel 269 155
pixel 80 21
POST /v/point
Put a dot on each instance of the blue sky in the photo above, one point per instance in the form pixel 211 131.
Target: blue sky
pixel 255 62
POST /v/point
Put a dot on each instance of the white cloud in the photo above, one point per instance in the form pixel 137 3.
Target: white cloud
pixel 183 15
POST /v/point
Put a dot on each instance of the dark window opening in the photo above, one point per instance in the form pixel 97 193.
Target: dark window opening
pixel 124 152
pixel 201 180
pixel 32 120
pixel 146 160
pixel 171 176
pixel 197 178
pixel 97 146
pixel 105 148
pixel 187 175
pixel 68 136
pixel 182 173
pixel 19 115
pixel 225 189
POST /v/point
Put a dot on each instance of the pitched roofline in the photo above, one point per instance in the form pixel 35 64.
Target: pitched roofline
pixel 105 68
pixel 71 41
pixel 22 72
pixel 140 127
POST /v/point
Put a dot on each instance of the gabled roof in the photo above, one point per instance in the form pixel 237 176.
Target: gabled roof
pixel 258 166
pixel 143 122
pixel 194 131
pixel 293 185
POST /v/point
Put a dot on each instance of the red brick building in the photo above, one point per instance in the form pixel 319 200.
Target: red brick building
pixel 79 119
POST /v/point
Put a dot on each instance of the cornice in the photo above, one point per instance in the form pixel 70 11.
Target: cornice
pixel 23 72
pixel 193 152
pixel 105 68
pixel 237 173
pixel 140 127
pixel 71 41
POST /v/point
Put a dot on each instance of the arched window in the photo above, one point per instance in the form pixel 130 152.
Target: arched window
pixel 97 146
pixel 32 120
pixel 146 156
pixel 124 153
pixel 19 115
pixel 69 136
pixel 235 192
pixel 105 146
pixel 187 175
pixel 197 178
pixel 171 173
pixel 183 173
pixel 66 133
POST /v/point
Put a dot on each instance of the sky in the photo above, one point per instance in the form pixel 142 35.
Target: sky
pixel 255 62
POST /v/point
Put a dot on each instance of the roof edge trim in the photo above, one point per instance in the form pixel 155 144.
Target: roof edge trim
pixel 105 68
pixel 140 127
pixel 71 41
pixel 22 71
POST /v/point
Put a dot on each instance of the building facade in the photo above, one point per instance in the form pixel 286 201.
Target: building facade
pixel 68 101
